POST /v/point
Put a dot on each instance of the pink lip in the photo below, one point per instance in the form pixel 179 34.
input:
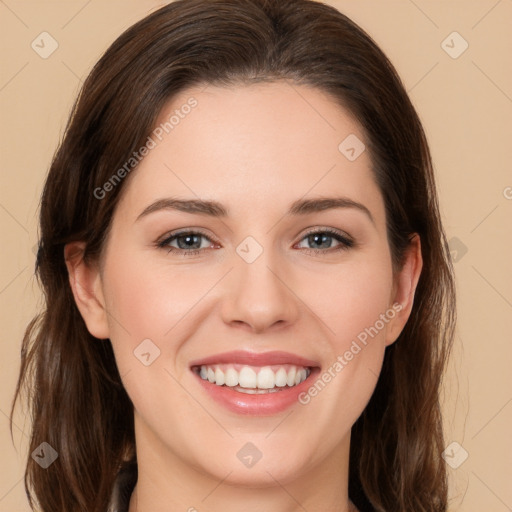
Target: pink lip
pixel 256 405
pixel 255 359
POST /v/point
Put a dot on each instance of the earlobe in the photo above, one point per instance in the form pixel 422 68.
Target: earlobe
pixel 404 289
pixel 85 282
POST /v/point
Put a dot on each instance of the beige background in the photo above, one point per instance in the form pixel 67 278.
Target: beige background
pixel 466 106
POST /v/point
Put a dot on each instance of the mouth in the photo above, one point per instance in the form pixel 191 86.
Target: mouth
pixel 256 384
pixel 254 379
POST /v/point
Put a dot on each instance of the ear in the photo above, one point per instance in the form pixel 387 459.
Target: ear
pixel 406 280
pixel 85 282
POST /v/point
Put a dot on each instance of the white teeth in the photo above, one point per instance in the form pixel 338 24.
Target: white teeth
pixel 247 377
pixel 281 378
pixel 231 377
pixel 254 379
pixel 266 378
pixel 300 376
pixel 256 391
pixel 290 380
pixel 219 377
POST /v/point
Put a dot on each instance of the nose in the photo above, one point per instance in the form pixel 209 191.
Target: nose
pixel 257 295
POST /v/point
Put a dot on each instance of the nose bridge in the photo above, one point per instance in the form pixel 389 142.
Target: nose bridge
pixel 258 295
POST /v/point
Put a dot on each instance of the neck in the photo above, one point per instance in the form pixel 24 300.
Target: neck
pixel 167 483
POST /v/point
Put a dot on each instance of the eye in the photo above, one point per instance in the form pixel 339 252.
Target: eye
pixel 323 239
pixel 190 243
pixel 185 242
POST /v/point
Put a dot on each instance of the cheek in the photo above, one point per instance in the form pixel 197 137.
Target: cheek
pixel 150 307
pixel 154 308
pixel 352 298
pixel 355 307
pixel 148 300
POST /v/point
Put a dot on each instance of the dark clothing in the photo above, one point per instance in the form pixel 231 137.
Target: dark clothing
pixel 123 488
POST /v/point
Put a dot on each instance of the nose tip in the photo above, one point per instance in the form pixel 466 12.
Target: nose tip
pixel 256 324
pixel 256 296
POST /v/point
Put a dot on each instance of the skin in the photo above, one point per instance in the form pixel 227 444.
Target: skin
pixel 255 149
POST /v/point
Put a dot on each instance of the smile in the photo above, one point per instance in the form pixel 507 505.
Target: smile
pixel 254 379
pixel 254 384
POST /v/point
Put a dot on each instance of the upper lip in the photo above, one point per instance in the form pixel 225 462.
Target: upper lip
pixel 255 359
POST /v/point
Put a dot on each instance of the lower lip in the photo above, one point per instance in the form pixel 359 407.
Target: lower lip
pixel 257 404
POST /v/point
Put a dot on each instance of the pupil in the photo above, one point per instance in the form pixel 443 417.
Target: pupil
pixel 189 241
pixel 316 237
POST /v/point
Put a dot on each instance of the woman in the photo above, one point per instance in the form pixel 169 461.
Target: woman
pixel 249 299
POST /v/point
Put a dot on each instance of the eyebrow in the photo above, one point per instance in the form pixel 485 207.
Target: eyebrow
pixel 216 209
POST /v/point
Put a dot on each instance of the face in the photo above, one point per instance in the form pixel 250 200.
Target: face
pixel 248 253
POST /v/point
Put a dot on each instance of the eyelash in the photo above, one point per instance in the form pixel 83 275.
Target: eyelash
pixel 345 242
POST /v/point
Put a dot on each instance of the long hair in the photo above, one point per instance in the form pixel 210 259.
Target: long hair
pixel 74 392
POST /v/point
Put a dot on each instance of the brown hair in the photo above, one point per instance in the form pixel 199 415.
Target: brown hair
pixel 76 397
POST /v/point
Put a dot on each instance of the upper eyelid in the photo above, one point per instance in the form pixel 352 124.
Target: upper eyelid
pixel 182 232
pixel 309 231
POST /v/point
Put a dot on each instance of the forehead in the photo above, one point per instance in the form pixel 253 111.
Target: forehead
pixel 253 147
